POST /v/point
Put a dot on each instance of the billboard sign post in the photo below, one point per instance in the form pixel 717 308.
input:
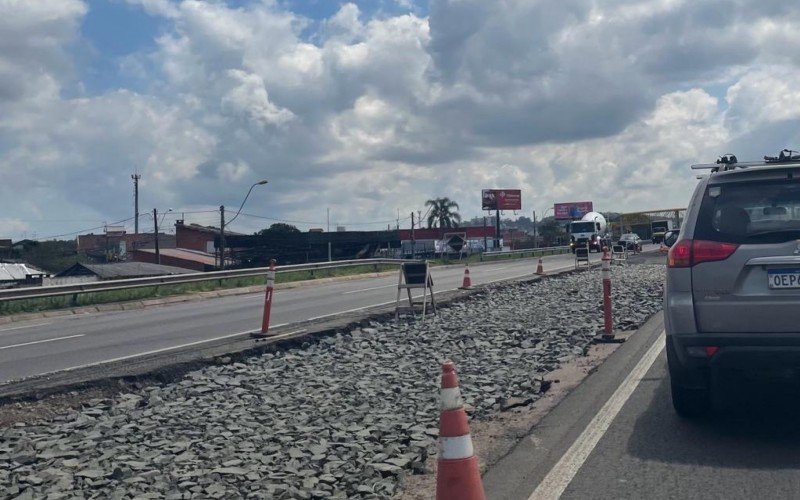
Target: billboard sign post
pixel 500 199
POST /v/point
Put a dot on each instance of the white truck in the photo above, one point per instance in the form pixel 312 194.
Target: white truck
pixel 591 230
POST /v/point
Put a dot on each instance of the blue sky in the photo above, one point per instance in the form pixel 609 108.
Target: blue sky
pixel 114 29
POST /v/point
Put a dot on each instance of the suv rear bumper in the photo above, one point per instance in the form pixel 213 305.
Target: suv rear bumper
pixel 773 355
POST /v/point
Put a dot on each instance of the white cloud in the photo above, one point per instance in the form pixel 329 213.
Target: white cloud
pixel 567 100
pixel 248 97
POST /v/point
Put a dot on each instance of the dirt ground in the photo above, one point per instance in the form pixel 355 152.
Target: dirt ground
pixel 493 439
pixel 31 411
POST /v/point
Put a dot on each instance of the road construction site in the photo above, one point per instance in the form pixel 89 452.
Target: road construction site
pixel 343 415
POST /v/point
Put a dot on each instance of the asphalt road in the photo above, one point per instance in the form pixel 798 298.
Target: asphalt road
pixel 583 449
pixel 53 344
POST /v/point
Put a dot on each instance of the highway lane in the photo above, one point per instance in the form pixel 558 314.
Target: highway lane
pixel 751 450
pixel 617 436
pixel 53 344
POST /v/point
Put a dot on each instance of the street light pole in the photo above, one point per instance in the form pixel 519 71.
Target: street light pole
pixel 222 236
pixel 544 215
pixel 155 230
pixel 222 222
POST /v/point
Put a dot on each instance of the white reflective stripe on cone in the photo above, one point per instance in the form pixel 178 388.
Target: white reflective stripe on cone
pixel 451 398
pixel 455 448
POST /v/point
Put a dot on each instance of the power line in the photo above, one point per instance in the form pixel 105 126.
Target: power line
pixel 83 230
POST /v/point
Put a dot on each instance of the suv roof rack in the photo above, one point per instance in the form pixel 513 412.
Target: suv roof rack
pixel 729 162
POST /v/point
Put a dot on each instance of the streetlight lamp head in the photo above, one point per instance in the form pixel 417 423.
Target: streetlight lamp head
pixel 262 182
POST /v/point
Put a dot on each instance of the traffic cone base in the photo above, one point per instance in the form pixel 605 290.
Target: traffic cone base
pixel 459 480
pixel 467 283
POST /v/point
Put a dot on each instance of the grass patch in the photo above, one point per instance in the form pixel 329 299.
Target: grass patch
pixel 166 290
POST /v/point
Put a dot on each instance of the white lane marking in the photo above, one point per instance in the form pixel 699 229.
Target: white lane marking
pixel 163 349
pixel 40 341
pixel 25 326
pixel 559 477
pixel 366 289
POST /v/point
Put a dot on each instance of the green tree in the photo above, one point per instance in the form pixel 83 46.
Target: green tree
pixel 279 228
pixel 443 213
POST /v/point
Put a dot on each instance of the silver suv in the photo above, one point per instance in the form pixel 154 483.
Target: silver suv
pixel 732 294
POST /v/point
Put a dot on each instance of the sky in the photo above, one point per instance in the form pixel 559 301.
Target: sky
pixel 370 108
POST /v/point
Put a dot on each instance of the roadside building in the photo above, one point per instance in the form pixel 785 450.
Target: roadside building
pixel 114 244
pixel 179 257
pixel 19 275
pixel 199 238
pixel 85 273
pixel 436 240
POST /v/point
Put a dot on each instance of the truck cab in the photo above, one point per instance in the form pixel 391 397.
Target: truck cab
pixel 590 231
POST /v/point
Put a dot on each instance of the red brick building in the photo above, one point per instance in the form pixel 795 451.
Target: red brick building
pixel 197 237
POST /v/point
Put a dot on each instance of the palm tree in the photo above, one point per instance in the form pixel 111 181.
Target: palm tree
pixel 443 213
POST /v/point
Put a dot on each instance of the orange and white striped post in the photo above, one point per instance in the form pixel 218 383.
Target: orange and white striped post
pixel 457 473
pixel 267 301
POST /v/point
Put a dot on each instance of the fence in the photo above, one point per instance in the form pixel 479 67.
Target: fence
pixel 532 252
pixel 106 286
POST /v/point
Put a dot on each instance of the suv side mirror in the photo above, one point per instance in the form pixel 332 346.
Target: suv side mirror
pixel 671 237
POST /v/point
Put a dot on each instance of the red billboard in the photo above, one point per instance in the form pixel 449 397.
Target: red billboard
pixel 572 211
pixel 501 199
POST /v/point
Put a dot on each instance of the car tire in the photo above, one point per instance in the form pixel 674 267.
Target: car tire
pixel 690 403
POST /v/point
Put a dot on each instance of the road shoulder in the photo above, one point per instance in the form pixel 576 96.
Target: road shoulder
pixel 517 474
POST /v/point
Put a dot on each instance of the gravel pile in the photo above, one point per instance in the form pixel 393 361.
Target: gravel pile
pixel 341 417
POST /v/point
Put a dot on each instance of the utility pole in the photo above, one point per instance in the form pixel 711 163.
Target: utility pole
pixel 485 239
pixel 155 230
pixel 413 253
pixel 329 236
pixel 398 219
pixel 535 238
pixel 497 231
pixel 222 237
pixel 136 178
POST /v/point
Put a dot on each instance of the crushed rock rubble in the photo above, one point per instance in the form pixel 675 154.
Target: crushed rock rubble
pixel 344 416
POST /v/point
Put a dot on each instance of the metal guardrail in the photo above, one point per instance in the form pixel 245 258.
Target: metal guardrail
pixel 178 279
pixel 532 251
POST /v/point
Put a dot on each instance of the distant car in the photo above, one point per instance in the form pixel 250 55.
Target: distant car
pixel 733 281
pixel 631 241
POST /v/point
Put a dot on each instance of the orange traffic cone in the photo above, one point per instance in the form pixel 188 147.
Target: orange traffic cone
pixel 540 268
pixel 467 283
pixel 457 474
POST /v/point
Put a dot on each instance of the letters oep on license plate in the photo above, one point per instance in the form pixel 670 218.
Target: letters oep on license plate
pixel 784 278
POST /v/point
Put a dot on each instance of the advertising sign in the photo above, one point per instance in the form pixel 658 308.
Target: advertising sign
pixel 572 211
pixel 501 199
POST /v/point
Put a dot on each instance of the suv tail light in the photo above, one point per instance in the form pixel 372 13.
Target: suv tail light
pixel 688 253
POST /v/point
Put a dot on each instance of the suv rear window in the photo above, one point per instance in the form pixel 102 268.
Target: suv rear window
pixel 750 212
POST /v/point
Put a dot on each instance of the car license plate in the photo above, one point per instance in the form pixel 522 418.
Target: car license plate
pixel 784 278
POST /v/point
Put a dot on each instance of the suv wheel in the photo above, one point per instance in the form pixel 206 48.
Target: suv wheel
pixel 690 403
